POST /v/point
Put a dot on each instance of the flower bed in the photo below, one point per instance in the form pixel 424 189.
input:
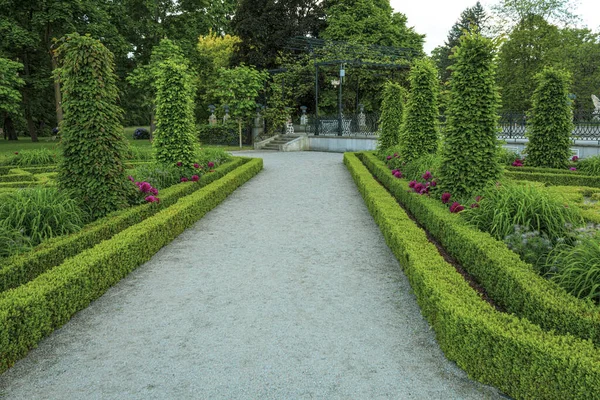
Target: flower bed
pixel 33 310
pixel 510 282
pixel 495 348
pixel 22 268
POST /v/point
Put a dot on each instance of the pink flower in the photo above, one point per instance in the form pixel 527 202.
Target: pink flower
pixel 179 164
pixel 398 174
pixel 574 158
pixel 419 187
pixel 426 175
pixel 456 207
pixel 389 157
pixel 433 183
pixel 16 152
pixel 184 179
pixel 394 171
pixel 195 178
pixel 131 178
pixel 573 169
pixel 396 155
pixel 446 197
pixel 412 184
pixel 478 198
pixel 211 164
pixel 152 199
pixel 475 205
pixel 144 187
pixel 154 191
pixel 517 163
pixel 196 165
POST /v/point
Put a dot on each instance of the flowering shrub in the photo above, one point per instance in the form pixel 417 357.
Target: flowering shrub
pixel 148 192
pixel 517 163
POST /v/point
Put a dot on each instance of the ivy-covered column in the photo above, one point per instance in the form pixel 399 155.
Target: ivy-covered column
pixel 91 131
pixel 390 120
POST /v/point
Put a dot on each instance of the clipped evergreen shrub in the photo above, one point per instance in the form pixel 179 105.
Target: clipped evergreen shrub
pixel 420 130
pixel 470 151
pixel 92 135
pixel 551 121
pixel 390 119
pixel 174 139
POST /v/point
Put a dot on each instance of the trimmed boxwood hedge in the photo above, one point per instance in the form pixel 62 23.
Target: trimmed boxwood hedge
pixel 19 269
pixel 509 281
pixel 34 310
pixel 495 348
pixel 17 177
pixel 542 170
pixel 566 179
pixel 18 184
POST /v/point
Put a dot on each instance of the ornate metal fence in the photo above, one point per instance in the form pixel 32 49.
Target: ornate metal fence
pixel 346 125
pixel 513 125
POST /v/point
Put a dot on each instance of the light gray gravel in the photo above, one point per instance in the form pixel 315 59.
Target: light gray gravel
pixel 286 290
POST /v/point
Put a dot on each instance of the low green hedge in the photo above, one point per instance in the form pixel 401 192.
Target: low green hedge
pixel 32 311
pixel 22 268
pixel 495 348
pixel 18 184
pixel 509 281
pixel 22 177
pixel 542 170
pixel 566 179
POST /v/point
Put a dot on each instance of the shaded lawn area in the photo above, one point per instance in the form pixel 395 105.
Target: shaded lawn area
pixel 8 147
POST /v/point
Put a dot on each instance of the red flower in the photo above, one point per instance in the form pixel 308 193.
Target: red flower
pixel 426 175
pixel 179 164
pixel 152 199
pixel 211 164
pixel 446 197
pixel 574 158
pixel 396 155
pixel 389 157
pixel 456 207
pixel 573 169
pixel 196 165
pixel 16 152
pixel 412 184
pixel 144 187
pixel 478 198
pixel 517 163
pixel 195 178
pixel 184 179
pixel 398 174
pixel 433 183
pixel 475 205
pixel 131 178
pixel 154 191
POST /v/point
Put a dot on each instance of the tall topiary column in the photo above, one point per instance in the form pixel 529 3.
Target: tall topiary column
pixel 390 119
pixel 174 138
pixel 420 130
pixel 551 121
pixel 470 150
pixel 91 131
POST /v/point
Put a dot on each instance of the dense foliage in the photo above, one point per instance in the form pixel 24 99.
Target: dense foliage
pixel 92 136
pixel 390 120
pixel 551 121
pixel 174 140
pixel 10 97
pixel 470 151
pixel 420 129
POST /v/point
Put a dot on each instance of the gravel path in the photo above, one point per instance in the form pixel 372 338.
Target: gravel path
pixel 286 290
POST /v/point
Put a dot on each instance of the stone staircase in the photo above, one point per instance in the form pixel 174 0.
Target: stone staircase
pixel 280 140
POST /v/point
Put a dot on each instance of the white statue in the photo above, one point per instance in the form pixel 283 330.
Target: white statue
pixel 596 112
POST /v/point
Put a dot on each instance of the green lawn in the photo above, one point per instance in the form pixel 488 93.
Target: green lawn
pixel 8 147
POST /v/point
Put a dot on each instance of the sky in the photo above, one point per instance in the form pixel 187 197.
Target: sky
pixel 435 17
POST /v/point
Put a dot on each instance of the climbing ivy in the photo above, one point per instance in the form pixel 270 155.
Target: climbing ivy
pixel 92 135
pixel 174 140
pixel 551 121
pixel 419 133
pixel 470 151
pixel 390 120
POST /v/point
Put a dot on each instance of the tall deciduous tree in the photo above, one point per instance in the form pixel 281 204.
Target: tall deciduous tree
pixel 265 26
pixel 470 153
pixel 525 53
pixel 92 135
pixel 370 22
pixel 10 97
pixel 239 88
pixel 511 12
pixel 551 121
pixel 471 19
